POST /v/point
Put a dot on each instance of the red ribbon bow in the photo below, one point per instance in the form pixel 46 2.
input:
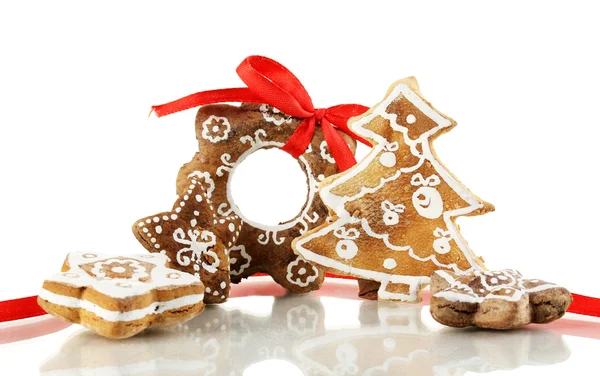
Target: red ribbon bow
pixel 269 82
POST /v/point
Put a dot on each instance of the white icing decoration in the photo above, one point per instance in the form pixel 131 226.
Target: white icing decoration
pixel 214 126
pixel 156 308
pixel 139 271
pixel 234 261
pixel 273 115
pixel 121 288
pixel 298 281
pixel 428 202
pixel 346 249
pixel 325 154
pixel 442 244
pixel 391 212
pixel 198 243
pixel 512 284
pixel 388 159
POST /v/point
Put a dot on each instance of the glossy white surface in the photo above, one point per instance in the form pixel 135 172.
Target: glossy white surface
pixel 261 331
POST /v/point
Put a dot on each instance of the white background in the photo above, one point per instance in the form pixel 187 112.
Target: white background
pixel 80 160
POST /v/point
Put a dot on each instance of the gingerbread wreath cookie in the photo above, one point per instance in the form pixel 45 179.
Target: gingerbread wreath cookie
pixel 226 136
pixel 194 235
pixel 393 213
pixel 495 299
pixel 119 296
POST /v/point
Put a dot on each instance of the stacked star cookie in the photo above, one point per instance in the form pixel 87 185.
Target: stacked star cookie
pixel 119 296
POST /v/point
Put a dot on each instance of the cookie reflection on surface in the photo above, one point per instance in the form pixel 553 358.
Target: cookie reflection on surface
pixel 392 339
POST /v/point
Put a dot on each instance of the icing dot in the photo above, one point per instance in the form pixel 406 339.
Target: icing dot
pixel 177 210
pixel 302 271
pixel 71 275
pixel 223 284
pixel 215 293
pixel 494 280
pixel 507 291
pixel 173 275
pixel 388 159
pixel 182 203
pixel 193 222
pixel 215 128
pixel 149 234
pixel 145 229
pixel 503 277
pixel 221 221
pixel 153 240
pixel 89 255
pixel 157 246
pixel 141 224
pixel 166 217
pixel 186 197
pixel 208 290
pixel 231 227
pixel 156 219
pixel 118 269
pixel 173 216
pixel 189 191
pixel 389 343
pixel 232 260
pixel 194 181
pixel 196 267
pixel 410 119
pixel 481 290
pixel 196 213
pixel 148 220
pixel 158 229
pixel 222 297
pixel 192 186
pixel 389 263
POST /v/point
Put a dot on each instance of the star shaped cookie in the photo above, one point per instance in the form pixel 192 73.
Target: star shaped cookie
pixel 119 296
pixel 194 236
pixel 495 299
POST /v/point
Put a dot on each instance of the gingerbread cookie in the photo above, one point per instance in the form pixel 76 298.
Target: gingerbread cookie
pixel 496 300
pixel 119 296
pixel 194 235
pixel 226 136
pixel 393 213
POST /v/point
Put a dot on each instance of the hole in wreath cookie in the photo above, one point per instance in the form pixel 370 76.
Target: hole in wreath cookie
pixel 269 187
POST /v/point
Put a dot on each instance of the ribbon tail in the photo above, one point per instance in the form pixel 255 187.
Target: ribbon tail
pixel 340 115
pixel 585 305
pixel 340 151
pixel 241 94
pixel 301 138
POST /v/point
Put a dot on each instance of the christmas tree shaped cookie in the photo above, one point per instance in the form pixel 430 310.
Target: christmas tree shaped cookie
pixel 392 215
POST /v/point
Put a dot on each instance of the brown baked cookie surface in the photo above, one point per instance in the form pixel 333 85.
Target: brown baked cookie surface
pixel 393 214
pixel 495 299
pixel 193 236
pixel 119 296
pixel 226 136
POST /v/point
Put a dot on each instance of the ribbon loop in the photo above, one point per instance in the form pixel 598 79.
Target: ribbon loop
pixel 270 82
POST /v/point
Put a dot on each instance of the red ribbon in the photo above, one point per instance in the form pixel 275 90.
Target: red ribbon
pixel 269 82
pixel 27 307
